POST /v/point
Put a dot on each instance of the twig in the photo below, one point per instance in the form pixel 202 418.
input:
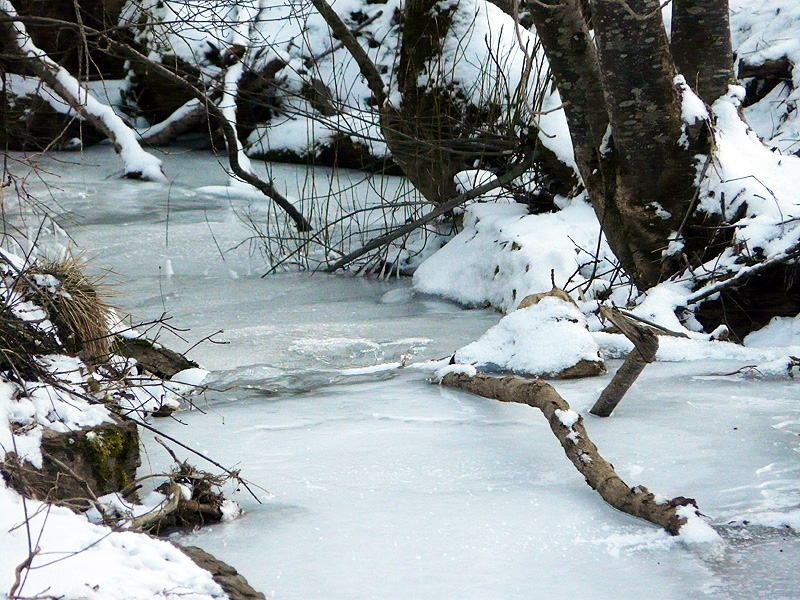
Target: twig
pixel 24 565
pixel 233 474
pixel 520 169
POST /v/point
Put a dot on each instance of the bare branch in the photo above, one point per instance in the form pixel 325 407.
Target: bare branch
pixel 568 428
pixel 508 177
pixel 348 40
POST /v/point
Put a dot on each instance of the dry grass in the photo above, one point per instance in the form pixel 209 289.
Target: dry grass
pixel 77 307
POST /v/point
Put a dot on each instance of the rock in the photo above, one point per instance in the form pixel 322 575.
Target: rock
pixel 225 575
pixel 152 356
pixel 78 465
pixel 584 368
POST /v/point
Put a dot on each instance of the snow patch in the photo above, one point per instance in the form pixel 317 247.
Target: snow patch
pixel 696 531
pixel 543 339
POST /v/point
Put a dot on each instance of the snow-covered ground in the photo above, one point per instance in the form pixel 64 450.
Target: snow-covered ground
pixel 383 485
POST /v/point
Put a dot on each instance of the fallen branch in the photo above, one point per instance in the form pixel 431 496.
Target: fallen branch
pixel 742 275
pixel 152 519
pixel 138 163
pixel 646 347
pixel 568 427
pixel 780 68
pixel 387 238
pixel 183 120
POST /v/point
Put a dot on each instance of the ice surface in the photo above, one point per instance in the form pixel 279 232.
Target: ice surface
pixel 383 485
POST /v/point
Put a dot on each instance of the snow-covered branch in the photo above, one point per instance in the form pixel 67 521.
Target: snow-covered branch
pixel 137 162
pixel 179 122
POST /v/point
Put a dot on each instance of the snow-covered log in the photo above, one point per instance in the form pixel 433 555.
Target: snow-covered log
pixel 183 120
pixel 567 426
pixel 138 163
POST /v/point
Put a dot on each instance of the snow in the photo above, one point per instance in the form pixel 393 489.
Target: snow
pixel 763 31
pixel 457 369
pixel 503 255
pixel 696 530
pixel 383 483
pixel 192 377
pixel 108 564
pixel 43 406
pixel 568 418
pixel 544 339
pixel 780 331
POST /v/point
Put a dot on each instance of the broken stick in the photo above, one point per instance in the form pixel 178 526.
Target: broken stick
pixel 646 347
pixel 568 427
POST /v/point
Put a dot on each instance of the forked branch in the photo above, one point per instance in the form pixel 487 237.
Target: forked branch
pixel 568 428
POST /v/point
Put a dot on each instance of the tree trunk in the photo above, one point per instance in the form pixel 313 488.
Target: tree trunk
pixel 573 60
pixel 655 173
pixel 65 45
pixel 417 134
pixel 701 46
pixel 640 178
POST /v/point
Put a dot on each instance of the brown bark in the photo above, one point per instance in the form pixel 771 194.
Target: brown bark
pixel 428 135
pixel 177 127
pixel 580 450
pixel 701 46
pixel 418 133
pixel 655 172
pixel 763 78
pixel 644 352
pixel 573 61
pixel 626 80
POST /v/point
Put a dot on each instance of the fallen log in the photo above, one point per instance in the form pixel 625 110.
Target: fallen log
pixel 567 426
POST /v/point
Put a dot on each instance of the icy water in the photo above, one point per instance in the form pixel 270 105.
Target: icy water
pixel 383 485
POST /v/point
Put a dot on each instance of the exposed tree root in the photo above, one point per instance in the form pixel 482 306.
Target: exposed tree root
pixel 203 506
pixel 568 428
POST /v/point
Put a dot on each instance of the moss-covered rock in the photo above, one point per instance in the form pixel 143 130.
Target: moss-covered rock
pixel 78 465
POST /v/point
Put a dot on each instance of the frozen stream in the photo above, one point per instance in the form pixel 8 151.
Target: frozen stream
pixel 385 486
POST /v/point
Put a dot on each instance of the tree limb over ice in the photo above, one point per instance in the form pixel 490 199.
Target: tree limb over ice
pixel 138 163
pixel 567 426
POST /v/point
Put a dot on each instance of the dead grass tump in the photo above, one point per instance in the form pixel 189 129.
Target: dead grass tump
pixel 75 305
